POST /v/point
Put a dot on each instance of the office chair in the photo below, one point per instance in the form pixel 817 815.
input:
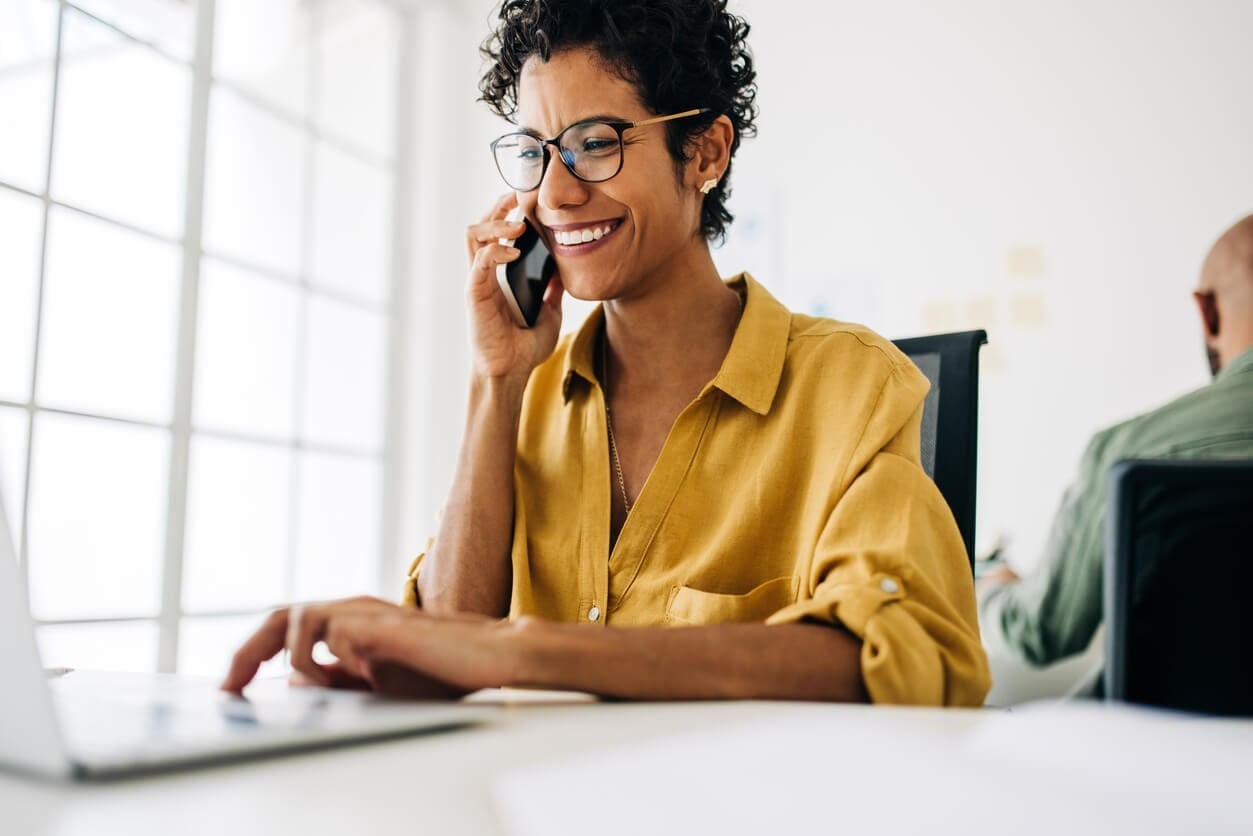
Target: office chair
pixel 950 419
pixel 1178 574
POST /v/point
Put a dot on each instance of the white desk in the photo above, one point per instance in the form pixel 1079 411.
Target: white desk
pixel 450 783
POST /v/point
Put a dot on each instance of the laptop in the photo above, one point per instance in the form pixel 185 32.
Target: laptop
pixel 97 725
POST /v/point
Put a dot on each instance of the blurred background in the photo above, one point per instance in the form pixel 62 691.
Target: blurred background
pixel 232 346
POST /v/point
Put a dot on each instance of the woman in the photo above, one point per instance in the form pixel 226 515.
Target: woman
pixel 699 494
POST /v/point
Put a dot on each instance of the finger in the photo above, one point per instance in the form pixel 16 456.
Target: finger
pixel 554 293
pixel 327 614
pixel 555 289
pixel 299 680
pixel 355 641
pixel 304 629
pixel 492 254
pixel 483 273
pixel 384 655
pixel 368 640
pixel 464 653
pixel 458 652
pixel 337 677
pixel 350 638
pixel 268 640
pixel 486 257
pixel 550 312
pixel 492 231
pixel 500 209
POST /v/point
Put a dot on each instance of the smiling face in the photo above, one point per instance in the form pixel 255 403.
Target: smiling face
pixel 611 240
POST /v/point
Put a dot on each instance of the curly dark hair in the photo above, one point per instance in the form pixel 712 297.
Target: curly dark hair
pixel 679 54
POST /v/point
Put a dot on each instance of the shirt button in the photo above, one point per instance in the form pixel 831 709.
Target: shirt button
pixel 889 586
pixel 593 614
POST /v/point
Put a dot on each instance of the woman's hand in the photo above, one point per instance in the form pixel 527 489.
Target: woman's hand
pixel 382 647
pixel 501 347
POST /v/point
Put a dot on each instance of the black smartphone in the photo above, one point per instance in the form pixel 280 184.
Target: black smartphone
pixel 524 280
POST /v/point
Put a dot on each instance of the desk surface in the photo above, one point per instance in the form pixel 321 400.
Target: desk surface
pixel 451 783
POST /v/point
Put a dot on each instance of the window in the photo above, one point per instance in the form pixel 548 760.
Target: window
pixel 197 205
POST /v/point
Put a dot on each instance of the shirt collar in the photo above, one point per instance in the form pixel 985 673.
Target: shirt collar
pixel 751 370
pixel 1242 363
pixel 580 359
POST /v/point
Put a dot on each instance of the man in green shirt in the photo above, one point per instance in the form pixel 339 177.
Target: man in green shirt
pixel 1053 613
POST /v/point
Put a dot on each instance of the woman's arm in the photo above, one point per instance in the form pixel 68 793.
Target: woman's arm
pixel 468 567
pixel 725 661
pixel 411 652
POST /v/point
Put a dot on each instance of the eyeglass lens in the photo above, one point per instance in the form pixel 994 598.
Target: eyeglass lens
pixel 591 150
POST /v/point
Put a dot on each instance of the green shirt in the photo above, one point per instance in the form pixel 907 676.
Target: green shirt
pixel 1054 612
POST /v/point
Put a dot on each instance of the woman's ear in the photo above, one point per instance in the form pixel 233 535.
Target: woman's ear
pixel 711 154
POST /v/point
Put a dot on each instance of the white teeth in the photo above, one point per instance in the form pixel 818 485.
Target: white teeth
pixel 582 236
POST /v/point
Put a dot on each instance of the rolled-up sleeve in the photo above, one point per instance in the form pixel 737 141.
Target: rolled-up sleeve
pixel 409 596
pixel 891 568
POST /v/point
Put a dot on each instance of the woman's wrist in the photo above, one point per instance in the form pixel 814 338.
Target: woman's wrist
pixel 529 641
pixel 498 389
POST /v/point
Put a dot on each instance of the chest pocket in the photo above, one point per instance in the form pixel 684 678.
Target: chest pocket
pixel 689 605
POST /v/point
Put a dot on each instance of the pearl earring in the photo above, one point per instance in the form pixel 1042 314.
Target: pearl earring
pixel 708 185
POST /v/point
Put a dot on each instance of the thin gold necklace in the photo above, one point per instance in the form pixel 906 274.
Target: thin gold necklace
pixel 613 444
pixel 604 382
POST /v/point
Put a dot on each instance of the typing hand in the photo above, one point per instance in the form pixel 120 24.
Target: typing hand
pixel 384 678
pixel 381 647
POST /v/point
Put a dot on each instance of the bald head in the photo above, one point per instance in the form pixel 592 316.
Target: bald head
pixel 1225 295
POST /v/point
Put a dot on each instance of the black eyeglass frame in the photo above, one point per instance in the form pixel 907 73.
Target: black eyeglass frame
pixel 619 127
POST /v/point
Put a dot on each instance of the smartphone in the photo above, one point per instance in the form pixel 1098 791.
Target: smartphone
pixel 524 280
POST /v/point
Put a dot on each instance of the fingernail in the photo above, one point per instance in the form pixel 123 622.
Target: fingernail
pixel 512 250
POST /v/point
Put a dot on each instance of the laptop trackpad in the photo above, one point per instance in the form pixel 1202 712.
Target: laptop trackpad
pixel 105 714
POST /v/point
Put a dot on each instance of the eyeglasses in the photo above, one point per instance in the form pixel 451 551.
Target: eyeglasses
pixel 591 150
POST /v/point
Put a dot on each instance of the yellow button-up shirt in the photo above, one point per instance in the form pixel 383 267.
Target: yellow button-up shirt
pixel 791 489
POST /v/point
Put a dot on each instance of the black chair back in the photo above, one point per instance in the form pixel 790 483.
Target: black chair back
pixel 1178 574
pixel 950 419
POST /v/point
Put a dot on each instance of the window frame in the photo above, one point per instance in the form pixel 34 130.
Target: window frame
pixel 181 429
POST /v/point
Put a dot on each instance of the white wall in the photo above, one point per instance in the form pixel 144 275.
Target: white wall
pixel 454 182
pixel 1050 171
